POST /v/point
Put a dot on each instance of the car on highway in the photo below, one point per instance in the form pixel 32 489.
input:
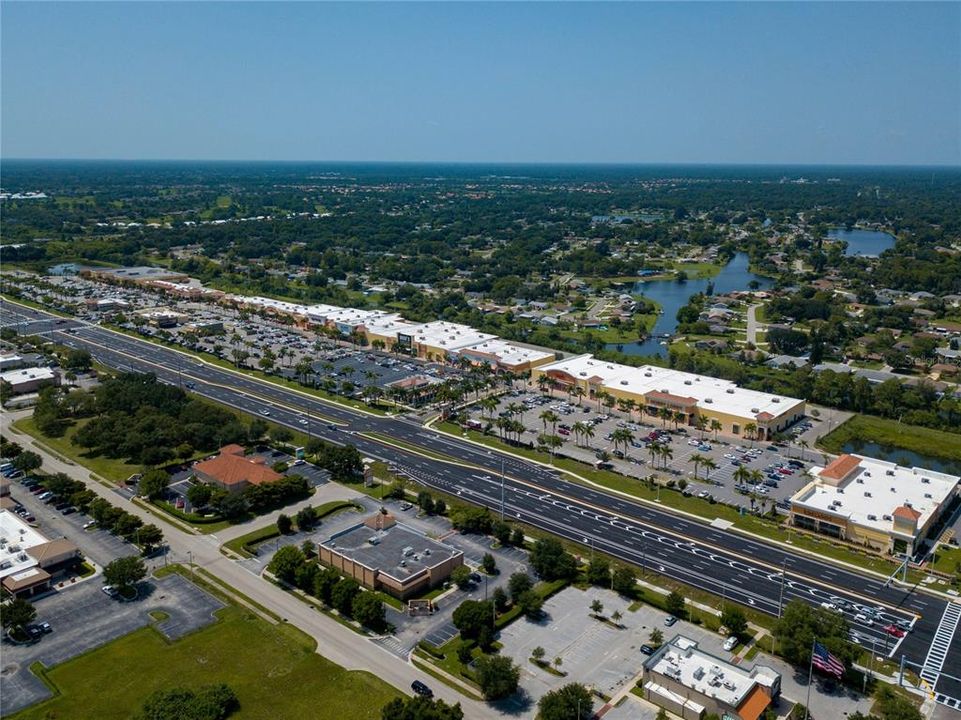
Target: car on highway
pixel 864 619
pixel 894 631
pixel 265 412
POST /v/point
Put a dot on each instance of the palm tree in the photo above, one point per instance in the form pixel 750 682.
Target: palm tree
pixel 622 405
pixel 757 477
pixel 578 430
pixel 665 414
pixel 515 408
pixel 544 382
pixel 489 405
pixel 667 454
pixel 709 465
pixel 696 460
pixel 622 436
pixel 742 474
pixel 517 428
pixel 700 422
pixel 804 445
pixel 609 401
pixel 579 391
pixel 599 396
pixel 678 418
pixel 588 432
pixel 631 405
pixel 549 416
pixel 502 424
pixel 304 368
pixel 654 449
pixel 750 430
pixel 716 427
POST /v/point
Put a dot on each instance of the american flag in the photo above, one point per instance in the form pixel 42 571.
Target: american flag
pixel 823 660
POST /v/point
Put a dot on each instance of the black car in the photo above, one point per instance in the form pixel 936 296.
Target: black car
pixel 647 649
pixel 34 631
pixel 418 687
pixel 69 510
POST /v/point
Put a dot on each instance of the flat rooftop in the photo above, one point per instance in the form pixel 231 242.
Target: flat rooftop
pixel 140 272
pixel 868 491
pixel 398 552
pixel 448 335
pixel 506 352
pixel 16 537
pixel 710 393
pixel 270 303
pixel 15 377
pixel 682 661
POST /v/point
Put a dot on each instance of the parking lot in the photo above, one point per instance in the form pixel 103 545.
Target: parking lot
pixel 633 457
pixel 98 545
pixel 83 617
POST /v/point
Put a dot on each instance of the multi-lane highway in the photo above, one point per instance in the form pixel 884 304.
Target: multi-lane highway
pixel 725 562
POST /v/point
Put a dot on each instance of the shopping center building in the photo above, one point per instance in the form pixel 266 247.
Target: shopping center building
pixel 875 503
pixel 690 396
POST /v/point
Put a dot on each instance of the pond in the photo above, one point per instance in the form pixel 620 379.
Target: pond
pixel 866 243
pixel 905 458
pixel 673 295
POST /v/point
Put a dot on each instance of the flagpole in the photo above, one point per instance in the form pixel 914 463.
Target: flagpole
pixel 807 703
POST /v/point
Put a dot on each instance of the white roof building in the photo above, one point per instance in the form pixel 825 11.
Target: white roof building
pixel 873 501
pixel 16 537
pixel 657 385
pixel 447 336
pixel 28 379
pixel 505 354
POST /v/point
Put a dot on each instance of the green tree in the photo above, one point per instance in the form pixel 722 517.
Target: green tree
pixel 675 604
pixel 306 518
pixel 286 561
pixel 551 561
pixel 735 621
pixel 599 572
pixel 125 572
pixel 497 676
pixel 517 537
pixel 500 599
pixel 211 702
pixel 537 654
pixel 488 564
pixel 570 702
pixel 369 611
pixel 149 536
pixel 460 576
pixel 531 604
pixel 16 613
pixel 661 715
pixel 597 607
pixel 624 581
pixel 473 616
pixel 284 524
pixel 342 595
pixel 420 708
pixel 199 495
pixel 27 461
pixel 801 623
pixel 153 483
pixel 656 637
pixel 519 583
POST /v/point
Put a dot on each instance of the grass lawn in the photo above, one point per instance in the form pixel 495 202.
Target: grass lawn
pixel 947 560
pixel 925 441
pixel 246 545
pixel 700 270
pixel 274 670
pixel 107 468
pixel 672 499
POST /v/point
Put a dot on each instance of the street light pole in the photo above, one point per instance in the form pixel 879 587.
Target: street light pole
pixel 780 600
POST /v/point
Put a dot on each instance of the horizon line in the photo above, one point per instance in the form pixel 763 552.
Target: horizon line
pixel 515 163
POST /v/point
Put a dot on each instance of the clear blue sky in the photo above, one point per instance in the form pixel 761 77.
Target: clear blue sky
pixel 509 82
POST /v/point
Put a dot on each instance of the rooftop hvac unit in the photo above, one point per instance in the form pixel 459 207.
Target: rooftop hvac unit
pixel 927 495
pixel 889 472
pixel 647 374
pixel 860 481
pixel 687 382
pixel 708 400
pixel 867 494
pixel 755 410
pixel 374 540
pixel 775 399
pixel 408 551
pixel 886 517
pixel 730 391
pixel 426 551
pixel 22 557
pixel 403 563
pixel 872 517
pixel 699 673
pixel 729 685
pixel 926 481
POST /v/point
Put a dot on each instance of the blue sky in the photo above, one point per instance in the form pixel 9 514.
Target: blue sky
pixel 865 83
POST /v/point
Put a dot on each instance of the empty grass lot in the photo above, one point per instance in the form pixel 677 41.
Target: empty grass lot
pixel 272 668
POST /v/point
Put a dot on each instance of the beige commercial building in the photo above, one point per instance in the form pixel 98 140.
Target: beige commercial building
pixel 381 554
pixel 686 395
pixel 874 503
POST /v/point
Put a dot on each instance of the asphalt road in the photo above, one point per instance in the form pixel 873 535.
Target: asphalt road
pixel 720 561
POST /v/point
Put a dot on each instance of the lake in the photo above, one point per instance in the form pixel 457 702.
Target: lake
pixel 673 295
pixel 867 243
pixel 905 458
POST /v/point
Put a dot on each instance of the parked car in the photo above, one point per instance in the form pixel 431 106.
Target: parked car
pixel 670 620
pixel 730 643
pixel 647 649
pixel 110 590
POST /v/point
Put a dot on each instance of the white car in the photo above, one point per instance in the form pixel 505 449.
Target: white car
pixel 730 643
pixel 694 443
pixel 864 619
pixel 730 456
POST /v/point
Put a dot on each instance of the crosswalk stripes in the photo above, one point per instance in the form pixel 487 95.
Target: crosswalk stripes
pixel 394 646
pixel 941 643
pixel 948 701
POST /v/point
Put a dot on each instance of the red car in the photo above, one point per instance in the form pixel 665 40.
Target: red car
pixel 785 471
pixel 894 631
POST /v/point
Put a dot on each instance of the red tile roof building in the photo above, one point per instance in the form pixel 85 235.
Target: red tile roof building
pixel 233 472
